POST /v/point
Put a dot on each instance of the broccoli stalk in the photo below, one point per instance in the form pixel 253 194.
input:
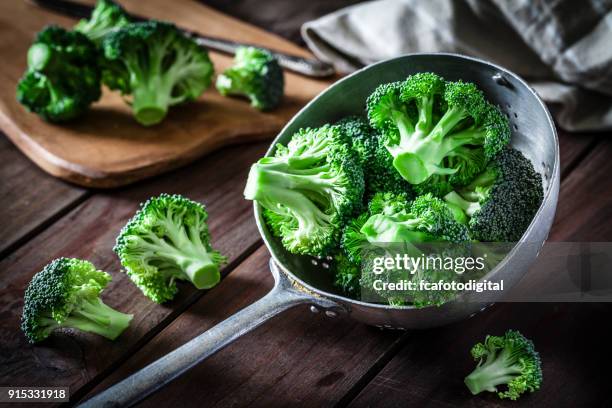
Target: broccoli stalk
pixel 509 360
pixel 255 75
pixel 66 294
pixel 157 65
pixel 501 202
pixel 168 240
pixel 427 125
pixel 429 219
pixel 309 188
pixel 106 17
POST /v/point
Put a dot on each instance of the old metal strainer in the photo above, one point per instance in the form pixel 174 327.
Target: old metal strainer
pixel 300 279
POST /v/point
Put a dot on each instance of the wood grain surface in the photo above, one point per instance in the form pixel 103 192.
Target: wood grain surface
pixel 26 211
pixel 106 147
pixel 298 358
pixel 89 232
pixel 301 358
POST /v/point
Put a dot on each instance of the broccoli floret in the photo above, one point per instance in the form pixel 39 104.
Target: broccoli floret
pixel 106 17
pixel 501 202
pixel 346 275
pixel 380 176
pixel 168 240
pixel 157 65
pixel 66 294
pixel 255 75
pixel 509 360
pixel 313 185
pixel 428 126
pixel 392 218
pixel 62 78
pixel 429 220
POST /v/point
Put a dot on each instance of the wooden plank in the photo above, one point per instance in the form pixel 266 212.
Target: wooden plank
pixel 89 232
pixel 568 336
pixel 107 147
pixel 297 358
pixel 279 374
pixel 585 203
pixel 29 198
pixel 572 149
pixel 429 370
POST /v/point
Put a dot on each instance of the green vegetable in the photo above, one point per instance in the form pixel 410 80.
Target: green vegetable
pixel 429 220
pixel 394 224
pixel 380 176
pixel 309 189
pixel 106 17
pixel 436 128
pixel 501 202
pixel 66 294
pixel 157 65
pixel 168 240
pixel 63 76
pixel 255 75
pixel 509 361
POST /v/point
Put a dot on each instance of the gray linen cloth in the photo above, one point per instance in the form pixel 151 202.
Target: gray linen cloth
pixel 563 47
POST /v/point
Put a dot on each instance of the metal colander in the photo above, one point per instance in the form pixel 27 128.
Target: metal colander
pixel 301 279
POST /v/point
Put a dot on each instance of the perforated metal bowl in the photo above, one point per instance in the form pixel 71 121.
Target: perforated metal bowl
pixel 301 279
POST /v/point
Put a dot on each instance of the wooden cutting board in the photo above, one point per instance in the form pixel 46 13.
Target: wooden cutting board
pixel 106 147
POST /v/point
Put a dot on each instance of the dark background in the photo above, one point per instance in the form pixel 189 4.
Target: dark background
pixel 283 17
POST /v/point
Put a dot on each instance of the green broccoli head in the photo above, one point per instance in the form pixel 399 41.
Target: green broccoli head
pixel 380 176
pixel 395 225
pixel 157 65
pixel 63 76
pixel 429 220
pixel 346 275
pixel 168 240
pixel 435 128
pixel 313 185
pixel 501 202
pixel 66 294
pixel 255 75
pixel 509 361
pixel 106 17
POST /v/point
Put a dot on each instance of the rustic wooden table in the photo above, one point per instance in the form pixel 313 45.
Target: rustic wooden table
pixel 297 358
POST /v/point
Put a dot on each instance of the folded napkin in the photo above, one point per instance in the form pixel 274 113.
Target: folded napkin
pixel 562 47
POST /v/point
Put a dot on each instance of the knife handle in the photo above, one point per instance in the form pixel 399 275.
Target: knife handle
pixel 304 66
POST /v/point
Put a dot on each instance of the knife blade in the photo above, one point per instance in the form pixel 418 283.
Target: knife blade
pixel 304 66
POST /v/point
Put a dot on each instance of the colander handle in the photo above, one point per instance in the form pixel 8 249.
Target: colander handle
pixel 157 374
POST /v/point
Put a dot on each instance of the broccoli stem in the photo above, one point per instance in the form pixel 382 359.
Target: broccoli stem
pixel 496 370
pixel 281 192
pixel 381 228
pixel 150 102
pixel 94 316
pixel 468 207
pixel 187 250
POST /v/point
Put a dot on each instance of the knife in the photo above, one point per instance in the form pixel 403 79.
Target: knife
pixel 304 66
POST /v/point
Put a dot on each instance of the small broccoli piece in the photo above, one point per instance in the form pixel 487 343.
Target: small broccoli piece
pixel 380 176
pixel 429 220
pixel 157 65
pixel 346 275
pixel 168 240
pixel 63 76
pixel 106 17
pixel 394 225
pixel 430 127
pixel 66 294
pixel 255 75
pixel 313 185
pixel 509 360
pixel 501 202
